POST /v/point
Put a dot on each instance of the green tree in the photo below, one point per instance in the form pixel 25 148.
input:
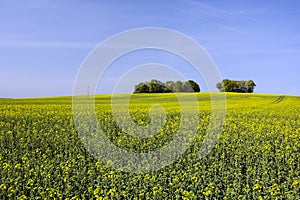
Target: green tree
pixel 220 87
pixel 236 86
pixel 170 85
pixel 141 88
pixel 156 86
pixel 178 86
pixel 194 85
pixel 250 86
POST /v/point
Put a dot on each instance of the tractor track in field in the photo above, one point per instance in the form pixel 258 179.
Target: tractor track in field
pixel 279 99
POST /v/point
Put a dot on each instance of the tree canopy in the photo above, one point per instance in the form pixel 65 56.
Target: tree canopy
pixel 236 86
pixel 156 86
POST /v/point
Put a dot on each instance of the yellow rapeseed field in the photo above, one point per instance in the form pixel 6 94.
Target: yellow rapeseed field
pixel 257 155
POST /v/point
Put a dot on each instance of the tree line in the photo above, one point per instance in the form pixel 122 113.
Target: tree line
pixel 156 86
pixel 236 86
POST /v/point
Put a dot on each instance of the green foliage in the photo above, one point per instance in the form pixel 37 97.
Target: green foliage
pixel 257 156
pixel 141 88
pixel 193 85
pixel 236 86
pixel 156 86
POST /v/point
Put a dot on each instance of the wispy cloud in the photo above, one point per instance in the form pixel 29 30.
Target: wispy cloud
pixel 46 44
pixel 206 13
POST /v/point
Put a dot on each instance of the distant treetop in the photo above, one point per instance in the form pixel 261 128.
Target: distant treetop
pixel 156 86
pixel 236 86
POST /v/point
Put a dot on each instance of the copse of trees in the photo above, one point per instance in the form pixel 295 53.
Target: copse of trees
pixel 156 86
pixel 236 86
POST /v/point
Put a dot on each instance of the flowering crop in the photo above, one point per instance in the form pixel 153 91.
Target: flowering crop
pixel 257 155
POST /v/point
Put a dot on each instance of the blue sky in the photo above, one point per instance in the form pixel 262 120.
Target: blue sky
pixel 44 42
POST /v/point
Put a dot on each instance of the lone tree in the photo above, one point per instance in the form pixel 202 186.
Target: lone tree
pixel 156 86
pixel 236 86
